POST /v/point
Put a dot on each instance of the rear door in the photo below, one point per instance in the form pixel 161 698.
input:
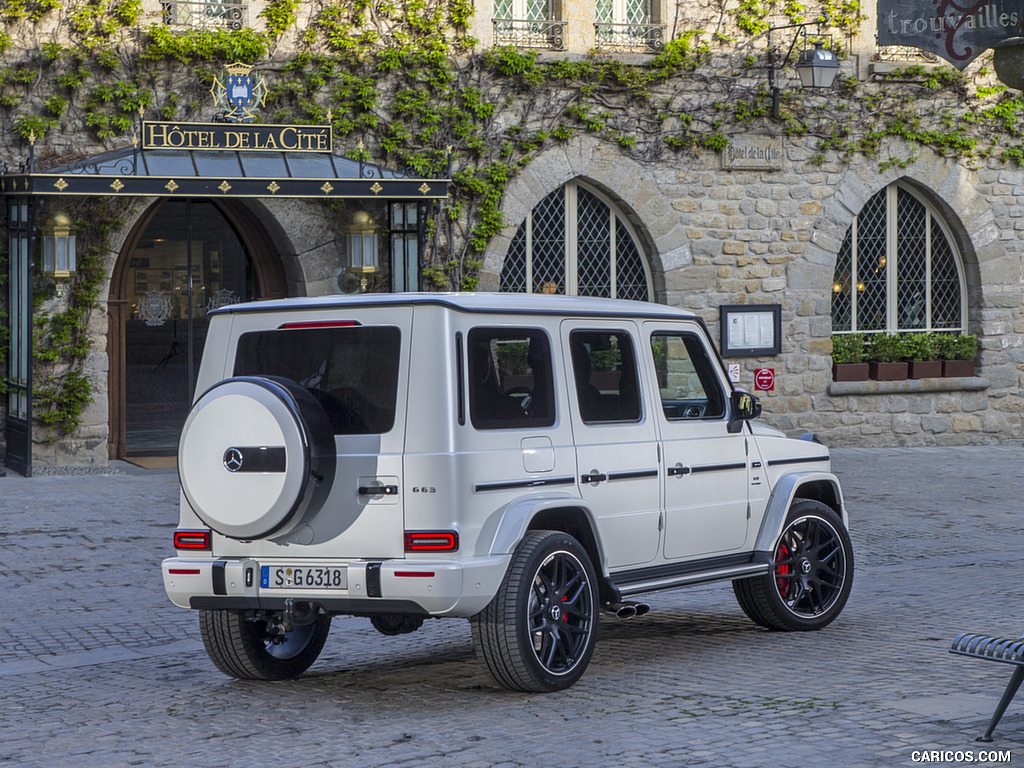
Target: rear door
pixel 356 365
pixel 616 439
pixel 706 466
pixel 512 435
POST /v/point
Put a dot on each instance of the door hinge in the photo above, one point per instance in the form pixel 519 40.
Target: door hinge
pixel 661 522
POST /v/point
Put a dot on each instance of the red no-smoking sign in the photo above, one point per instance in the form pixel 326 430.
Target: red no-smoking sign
pixel 764 379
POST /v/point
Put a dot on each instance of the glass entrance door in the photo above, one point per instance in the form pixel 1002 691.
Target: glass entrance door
pixel 188 261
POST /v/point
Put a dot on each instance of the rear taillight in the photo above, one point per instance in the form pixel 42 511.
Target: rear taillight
pixel 431 541
pixel 193 540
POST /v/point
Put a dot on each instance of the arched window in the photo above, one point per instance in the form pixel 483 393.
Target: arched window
pixel 898 269
pixel 574 243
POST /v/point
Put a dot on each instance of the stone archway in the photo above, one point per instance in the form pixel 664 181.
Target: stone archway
pixel 180 259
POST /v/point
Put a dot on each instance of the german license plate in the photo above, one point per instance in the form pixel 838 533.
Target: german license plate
pixel 303 577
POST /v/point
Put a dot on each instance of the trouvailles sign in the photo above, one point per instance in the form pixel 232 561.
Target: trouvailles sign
pixel 959 32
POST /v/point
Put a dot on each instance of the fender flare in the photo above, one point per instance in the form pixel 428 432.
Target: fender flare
pixel 786 489
pixel 514 518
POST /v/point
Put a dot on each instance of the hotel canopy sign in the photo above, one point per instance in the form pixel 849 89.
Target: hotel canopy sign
pixel 226 160
pixel 237 136
pixel 958 31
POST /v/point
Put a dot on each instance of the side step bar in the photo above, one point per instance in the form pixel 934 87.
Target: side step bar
pixel 673 581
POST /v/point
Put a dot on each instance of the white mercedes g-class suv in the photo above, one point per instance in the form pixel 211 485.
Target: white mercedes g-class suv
pixel 523 461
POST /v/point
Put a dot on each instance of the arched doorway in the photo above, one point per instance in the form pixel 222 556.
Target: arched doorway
pixel 184 258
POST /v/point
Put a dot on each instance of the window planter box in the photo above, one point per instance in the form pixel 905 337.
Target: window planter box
pixel 957 368
pixel 849 371
pixel 888 371
pixel 925 369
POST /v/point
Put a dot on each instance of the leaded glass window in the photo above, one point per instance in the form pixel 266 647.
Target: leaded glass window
pixel 573 242
pixel 531 10
pixel 623 11
pixel 631 25
pixel 206 14
pixel 529 24
pixel 898 269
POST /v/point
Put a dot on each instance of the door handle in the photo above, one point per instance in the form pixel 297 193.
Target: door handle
pixel 677 471
pixel 593 477
pixel 378 490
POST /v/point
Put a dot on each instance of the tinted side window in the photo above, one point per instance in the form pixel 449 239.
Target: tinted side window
pixel 352 371
pixel 686 377
pixel 510 383
pixel 604 368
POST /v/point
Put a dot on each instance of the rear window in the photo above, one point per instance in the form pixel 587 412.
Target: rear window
pixel 510 384
pixel 352 371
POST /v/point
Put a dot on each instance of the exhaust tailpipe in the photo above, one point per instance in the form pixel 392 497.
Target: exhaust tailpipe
pixel 621 610
pixel 627 610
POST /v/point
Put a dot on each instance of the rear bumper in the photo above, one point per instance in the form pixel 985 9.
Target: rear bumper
pixel 428 588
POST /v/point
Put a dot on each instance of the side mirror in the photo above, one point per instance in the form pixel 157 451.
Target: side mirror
pixel 744 408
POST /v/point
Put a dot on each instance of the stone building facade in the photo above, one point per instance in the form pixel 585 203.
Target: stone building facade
pixel 760 221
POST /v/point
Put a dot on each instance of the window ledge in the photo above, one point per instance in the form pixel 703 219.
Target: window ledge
pixel 909 386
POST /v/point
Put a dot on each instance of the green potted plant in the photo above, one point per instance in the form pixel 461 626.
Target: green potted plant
pixel 848 363
pixel 919 349
pixel 886 358
pixel 957 352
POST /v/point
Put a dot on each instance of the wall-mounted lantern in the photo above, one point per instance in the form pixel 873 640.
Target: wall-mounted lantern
pixel 362 240
pixel 816 66
pixel 58 246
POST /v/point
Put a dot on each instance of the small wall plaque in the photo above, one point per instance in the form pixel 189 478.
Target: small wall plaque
pixel 753 153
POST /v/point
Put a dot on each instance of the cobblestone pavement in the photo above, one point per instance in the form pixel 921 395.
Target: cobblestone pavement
pixel 97 668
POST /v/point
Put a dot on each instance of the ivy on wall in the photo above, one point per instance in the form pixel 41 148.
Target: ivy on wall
pixel 404 77
pixel 62 390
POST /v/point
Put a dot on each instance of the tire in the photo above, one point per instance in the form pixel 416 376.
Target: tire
pixel 238 644
pixel 396 623
pixel 812 574
pixel 539 632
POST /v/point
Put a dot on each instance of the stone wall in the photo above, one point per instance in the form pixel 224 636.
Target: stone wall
pixel 757 237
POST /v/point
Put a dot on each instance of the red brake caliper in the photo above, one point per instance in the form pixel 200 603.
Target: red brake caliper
pixel 781 571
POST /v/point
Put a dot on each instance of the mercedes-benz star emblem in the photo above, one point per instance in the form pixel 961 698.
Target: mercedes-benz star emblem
pixel 232 459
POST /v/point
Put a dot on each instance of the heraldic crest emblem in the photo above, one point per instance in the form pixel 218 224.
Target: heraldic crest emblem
pixel 239 92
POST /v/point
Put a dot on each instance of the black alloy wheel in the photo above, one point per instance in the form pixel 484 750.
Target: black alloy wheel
pixel 811 575
pixel 810 566
pixel 539 632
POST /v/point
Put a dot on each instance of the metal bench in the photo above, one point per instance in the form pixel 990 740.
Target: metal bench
pixel 995 649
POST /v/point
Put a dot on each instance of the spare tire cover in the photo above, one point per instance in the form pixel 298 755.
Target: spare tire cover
pixel 256 456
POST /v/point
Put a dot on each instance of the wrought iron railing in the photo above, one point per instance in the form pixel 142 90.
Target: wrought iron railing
pixel 232 14
pixel 524 33
pixel 647 38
